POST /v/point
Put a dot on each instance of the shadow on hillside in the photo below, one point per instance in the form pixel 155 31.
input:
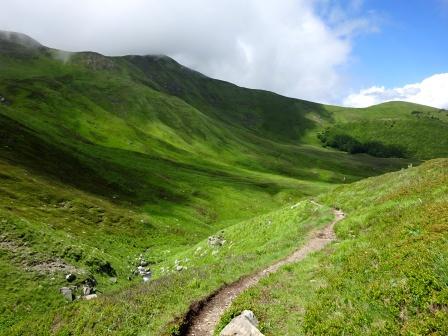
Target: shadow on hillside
pixel 263 112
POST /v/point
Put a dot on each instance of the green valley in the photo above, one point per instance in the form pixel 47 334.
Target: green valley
pixel 106 162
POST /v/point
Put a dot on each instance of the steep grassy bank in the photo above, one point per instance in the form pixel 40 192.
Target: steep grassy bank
pixel 386 275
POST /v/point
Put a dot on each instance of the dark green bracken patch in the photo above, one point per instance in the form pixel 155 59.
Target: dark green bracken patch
pixel 349 144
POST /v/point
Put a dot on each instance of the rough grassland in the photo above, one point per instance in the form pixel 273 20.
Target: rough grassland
pixel 151 308
pixel 387 274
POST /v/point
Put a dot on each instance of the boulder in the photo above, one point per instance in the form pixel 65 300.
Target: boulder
pixel 67 293
pixel 244 324
pixel 147 276
pixel 249 314
pixel 87 290
pixel 90 297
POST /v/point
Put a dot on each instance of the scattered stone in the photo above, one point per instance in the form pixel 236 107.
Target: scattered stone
pixel 67 293
pixel 86 290
pixel 180 268
pixel 4 101
pixel 244 324
pixel 90 297
pixel 70 277
pixel 144 272
pixel 113 280
pixel 216 241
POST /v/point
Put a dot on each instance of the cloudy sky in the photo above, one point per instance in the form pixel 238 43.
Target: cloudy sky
pixel 351 52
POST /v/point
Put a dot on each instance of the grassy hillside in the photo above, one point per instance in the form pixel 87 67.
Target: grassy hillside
pixel 106 158
pixel 385 276
pixel 397 128
pixel 411 128
pixel 152 308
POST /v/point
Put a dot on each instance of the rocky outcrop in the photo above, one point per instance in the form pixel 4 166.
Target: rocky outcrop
pixel 82 290
pixel 244 324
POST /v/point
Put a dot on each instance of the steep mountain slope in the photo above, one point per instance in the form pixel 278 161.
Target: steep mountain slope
pixel 106 158
pixel 406 126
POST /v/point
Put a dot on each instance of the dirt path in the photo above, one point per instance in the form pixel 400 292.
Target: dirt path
pixel 202 320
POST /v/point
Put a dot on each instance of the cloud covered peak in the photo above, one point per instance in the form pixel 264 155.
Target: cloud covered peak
pixel 293 47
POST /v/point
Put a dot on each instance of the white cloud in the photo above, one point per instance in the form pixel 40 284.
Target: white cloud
pixel 287 46
pixel 432 91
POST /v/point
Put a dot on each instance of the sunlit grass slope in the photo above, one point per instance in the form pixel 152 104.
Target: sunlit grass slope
pixel 386 275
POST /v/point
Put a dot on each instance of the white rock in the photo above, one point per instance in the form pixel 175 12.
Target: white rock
pixel 249 314
pixel 90 297
pixel 242 325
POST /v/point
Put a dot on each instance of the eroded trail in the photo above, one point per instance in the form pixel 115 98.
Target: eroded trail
pixel 203 320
